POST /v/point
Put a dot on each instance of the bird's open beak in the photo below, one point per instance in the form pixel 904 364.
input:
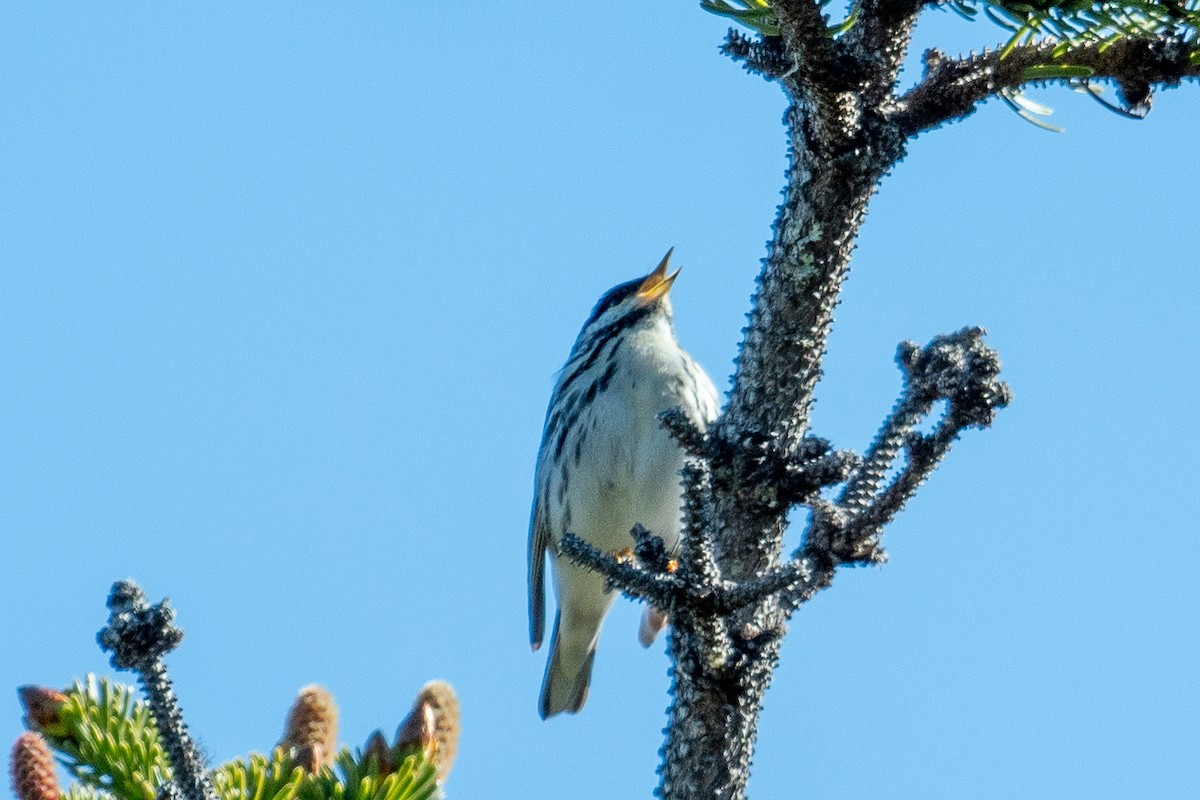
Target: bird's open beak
pixel 657 283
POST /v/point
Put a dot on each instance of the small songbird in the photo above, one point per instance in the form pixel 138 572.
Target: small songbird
pixel 605 463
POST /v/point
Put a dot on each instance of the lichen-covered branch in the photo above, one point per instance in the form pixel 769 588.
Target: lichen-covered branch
pixel 953 87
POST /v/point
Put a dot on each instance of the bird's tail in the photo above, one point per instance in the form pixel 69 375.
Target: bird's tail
pixel 569 668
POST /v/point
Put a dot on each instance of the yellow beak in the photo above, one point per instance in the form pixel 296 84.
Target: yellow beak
pixel 657 283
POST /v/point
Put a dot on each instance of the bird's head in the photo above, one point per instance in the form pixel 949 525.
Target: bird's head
pixel 628 303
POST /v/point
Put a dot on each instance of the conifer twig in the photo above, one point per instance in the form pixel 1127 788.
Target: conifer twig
pixel 138 635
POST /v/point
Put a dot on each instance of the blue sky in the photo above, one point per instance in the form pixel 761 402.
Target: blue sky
pixel 283 290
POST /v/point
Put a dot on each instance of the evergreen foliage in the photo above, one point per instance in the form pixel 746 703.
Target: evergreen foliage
pixel 106 739
pixel 1072 23
pixel 119 747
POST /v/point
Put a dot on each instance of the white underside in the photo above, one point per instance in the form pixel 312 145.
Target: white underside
pixel 627 473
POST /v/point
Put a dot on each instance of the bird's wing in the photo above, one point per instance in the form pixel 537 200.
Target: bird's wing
pixel 539 540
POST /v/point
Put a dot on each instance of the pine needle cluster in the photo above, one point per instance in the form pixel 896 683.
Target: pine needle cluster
pixel 1072 22
pixel 115 746
pixel 107 742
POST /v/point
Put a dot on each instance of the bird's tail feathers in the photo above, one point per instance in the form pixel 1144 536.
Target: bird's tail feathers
pixel 568 674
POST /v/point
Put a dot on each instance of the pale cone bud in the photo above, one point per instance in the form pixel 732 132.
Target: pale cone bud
pixel 32 768
pixel 311 728
pixel 440 696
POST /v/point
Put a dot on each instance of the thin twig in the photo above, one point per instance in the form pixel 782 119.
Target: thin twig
pixel 792 576
pixel 763 55
pixel 958 368
pixel 622 575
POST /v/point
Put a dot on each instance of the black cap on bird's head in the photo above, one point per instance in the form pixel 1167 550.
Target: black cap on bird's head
pixel 639 295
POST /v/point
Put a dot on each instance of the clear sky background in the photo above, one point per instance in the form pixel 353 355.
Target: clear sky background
pixel 283 290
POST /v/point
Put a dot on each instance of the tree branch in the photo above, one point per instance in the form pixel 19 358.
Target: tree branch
pixel 958 368
pixel 803 28
pixel 880 39
pixel 138 635
pixel 794 470
pixel 758 459
pixel 765 56
pixel 865 482
pixel 620 573
pixel 796 575
pixel 958 365
pixel 952 87
pixel 676 422
pixel 820 79
pixel 698 568
pixel 725 633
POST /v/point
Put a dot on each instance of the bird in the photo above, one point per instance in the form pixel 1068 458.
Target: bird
pixel 605 464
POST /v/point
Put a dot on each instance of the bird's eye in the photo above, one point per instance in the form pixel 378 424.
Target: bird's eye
pixel 612 298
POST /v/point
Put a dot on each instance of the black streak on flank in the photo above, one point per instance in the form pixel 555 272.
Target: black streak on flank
pixel 562 438
pixel 602 383
pixel 571 408
pixel 602 337
pixel 579 440
pixel 607 377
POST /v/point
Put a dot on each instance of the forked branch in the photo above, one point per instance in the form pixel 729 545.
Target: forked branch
pixel 957 368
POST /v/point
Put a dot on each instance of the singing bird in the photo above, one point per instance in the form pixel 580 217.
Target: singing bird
pixel 605 463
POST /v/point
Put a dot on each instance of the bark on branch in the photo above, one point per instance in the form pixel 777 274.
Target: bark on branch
pixel 138 635
pixel 731 593
pixel 953 87
pixel 957 368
